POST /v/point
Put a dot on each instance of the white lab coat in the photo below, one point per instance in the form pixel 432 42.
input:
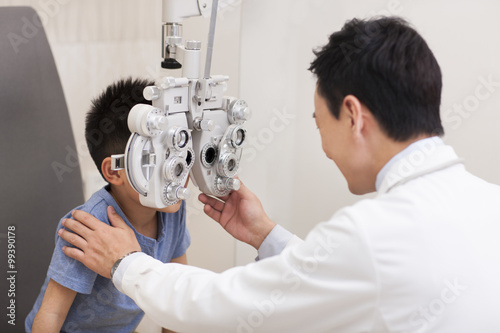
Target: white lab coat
pixel 422 256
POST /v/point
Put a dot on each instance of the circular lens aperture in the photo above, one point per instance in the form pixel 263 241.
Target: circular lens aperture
pixel 228 165
pixel 178 170
pixel 175 169
pixel 238 137
pixel 208 155
pixel 189 158
pixel 231 164
pixel 178 138
pixel 182 138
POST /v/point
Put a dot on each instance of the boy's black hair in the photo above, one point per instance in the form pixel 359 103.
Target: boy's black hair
pixel 388 66
pixel 106 129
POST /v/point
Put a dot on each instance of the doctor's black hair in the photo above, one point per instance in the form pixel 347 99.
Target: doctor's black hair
pixel 106 129
pixel 388 66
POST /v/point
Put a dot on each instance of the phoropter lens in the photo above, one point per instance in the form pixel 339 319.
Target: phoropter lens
pixel 182 139
pixel 240 137
pixel 178 138
pixel 178 170
pixel 237 137
pixel 210 155
pixel 231 164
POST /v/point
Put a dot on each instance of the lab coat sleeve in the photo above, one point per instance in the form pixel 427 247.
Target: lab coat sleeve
pixel 276 241
pixel 322 284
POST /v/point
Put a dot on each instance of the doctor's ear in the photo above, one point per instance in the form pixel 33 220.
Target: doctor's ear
pixel 355 112
pixel 114 177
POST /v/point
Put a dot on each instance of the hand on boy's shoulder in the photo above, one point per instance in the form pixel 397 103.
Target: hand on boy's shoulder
pixel 98 245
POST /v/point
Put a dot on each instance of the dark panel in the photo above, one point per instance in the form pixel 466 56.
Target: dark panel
pixel 39 175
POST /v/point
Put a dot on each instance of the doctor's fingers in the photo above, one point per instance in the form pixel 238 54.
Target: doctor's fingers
pixel 214 214
pixel 87 219
pixel 212 202
pixel 78 228
pixel 73 253
pixel 72 238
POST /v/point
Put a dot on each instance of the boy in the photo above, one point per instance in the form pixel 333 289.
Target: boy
pixel 73 298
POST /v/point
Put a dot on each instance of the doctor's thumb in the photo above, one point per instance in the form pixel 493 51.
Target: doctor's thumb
pixel 115 219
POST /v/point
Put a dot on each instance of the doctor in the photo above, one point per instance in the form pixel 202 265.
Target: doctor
pixel 422 256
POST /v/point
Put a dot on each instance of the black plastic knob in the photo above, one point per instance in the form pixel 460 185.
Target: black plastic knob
pixel 170 63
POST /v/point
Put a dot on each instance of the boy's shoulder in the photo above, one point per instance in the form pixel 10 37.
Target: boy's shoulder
pixel 69 272
pixel 97 205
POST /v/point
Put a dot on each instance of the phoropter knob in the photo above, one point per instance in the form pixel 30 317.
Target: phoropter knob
pixel 204 124
pixel 151 93
pixel 177 192
pixel 231 184
pixel 239 112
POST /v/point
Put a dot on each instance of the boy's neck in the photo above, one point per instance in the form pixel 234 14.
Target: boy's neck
pixel 144 219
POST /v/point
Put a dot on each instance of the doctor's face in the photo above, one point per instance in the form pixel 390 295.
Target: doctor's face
pixel 334 132
pixel 355 142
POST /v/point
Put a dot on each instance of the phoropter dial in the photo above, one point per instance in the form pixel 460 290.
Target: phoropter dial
pixel 174 192
pixel 238 112
pixel 228 165
pixel 147 120
pixel 178 138
pixel 175 169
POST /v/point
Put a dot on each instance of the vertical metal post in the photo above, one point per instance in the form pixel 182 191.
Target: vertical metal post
pixel 211 34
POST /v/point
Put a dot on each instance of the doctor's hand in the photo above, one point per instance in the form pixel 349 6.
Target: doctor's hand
pixel 98 244
pixel 241 214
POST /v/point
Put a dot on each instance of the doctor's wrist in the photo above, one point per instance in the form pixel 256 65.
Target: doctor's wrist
pixel 117 263
pixel 260 235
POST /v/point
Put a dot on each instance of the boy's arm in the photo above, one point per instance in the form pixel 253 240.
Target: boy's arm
pixel 54 309
pixel 179 260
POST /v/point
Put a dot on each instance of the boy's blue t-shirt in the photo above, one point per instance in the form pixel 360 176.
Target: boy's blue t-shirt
pixel 98 305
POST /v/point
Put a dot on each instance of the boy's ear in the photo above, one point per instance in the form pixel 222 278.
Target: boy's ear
pixel 114 177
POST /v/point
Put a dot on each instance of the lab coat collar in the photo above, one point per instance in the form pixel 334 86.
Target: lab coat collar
pixel 420 158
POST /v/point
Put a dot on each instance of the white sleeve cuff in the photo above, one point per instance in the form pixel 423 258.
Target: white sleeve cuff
pixel 122 268
pixel 274 243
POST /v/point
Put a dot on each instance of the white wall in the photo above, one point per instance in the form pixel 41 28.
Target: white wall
pixel 298 185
